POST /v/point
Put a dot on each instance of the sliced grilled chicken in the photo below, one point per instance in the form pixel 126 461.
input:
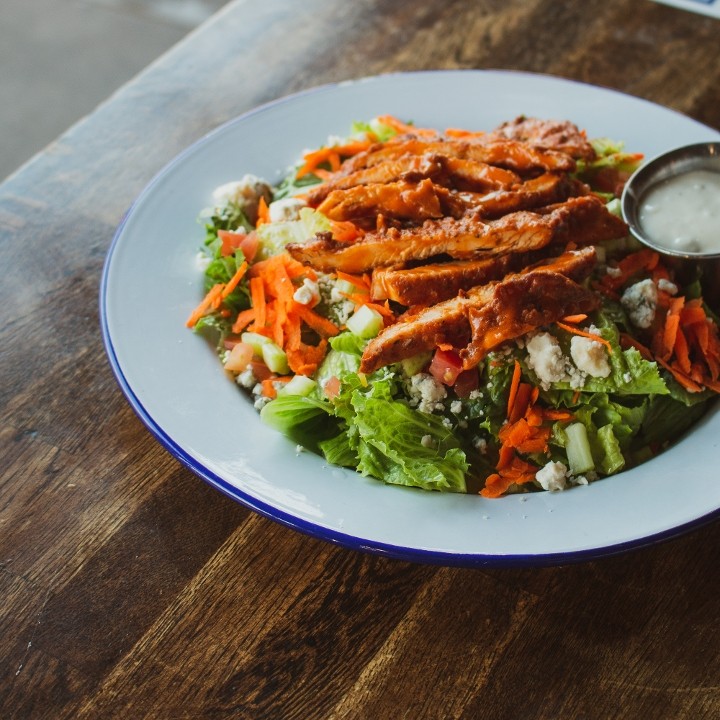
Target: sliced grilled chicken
pixel 457 173
pixel 396 200
pixel 558 135
pixel 432 283
pixel 509 154
pixel 448 322
pixel 543 190
pixel 520 304
pixel 469 236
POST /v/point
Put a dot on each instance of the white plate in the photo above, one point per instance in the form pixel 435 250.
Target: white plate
pixel 174 381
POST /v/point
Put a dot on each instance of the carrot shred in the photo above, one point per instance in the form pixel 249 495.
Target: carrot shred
pixel 214 295
pixel 235 279
pixel 591 336
pixel 356 280
pixel 574 319
pixel 322 326
pixel 514 384
pixel 263 212
pixel 403 127
pixel 244 318
pixel 257 297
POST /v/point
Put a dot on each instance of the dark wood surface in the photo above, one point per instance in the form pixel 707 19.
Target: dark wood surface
pixel 131 589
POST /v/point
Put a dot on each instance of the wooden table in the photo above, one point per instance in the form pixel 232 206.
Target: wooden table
pixel 131 589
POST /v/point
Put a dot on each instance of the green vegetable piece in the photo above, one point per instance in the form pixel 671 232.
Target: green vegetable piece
pixel 275 358
pixel 413 365
pixel 299 385
pixel 578 450
pixel 257 342
pixel 365 323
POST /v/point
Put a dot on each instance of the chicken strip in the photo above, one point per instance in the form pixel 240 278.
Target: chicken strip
pixel 430 284
pixel 450 172
pixel 560 135
pixel 460 239
pixel 521 304
pixel 397 200
pixel 448 322
pixel 543 190
pixel 509 154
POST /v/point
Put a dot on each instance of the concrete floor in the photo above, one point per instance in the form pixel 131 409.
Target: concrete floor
pixel 60 58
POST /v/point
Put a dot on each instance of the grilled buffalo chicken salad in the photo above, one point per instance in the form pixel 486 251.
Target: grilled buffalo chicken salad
pixel 456 310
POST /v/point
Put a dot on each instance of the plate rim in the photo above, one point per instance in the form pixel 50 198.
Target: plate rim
pixel 307 527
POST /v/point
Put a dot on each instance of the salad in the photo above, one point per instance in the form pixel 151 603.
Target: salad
pixel 456 310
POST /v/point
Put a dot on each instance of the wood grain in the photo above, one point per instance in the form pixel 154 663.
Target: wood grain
pixel 131 589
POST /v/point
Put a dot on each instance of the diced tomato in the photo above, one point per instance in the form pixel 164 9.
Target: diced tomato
pixel 239 357
pixel 610 180
pixel 467 381
pixel 260 370
pixel 332 387
pixel 445 367
pixel 231 241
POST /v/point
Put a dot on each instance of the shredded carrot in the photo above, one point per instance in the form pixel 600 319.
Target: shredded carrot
pixel 332 155
pixel 257 297
pixel 384 310
pixel 552 414
pixel 514 384
pixel 459 133
pixel 684 380
pixel 522 402
pixel 356 280
pixel 244 318
pixel 402 127
pixel 322 326
pixel 235 279
pixel 263 212
pixel 574 319
pixel 682 352
pixel 591 336
pixel 207 303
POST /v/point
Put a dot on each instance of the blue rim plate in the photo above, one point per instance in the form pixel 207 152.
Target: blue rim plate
pixel 174 382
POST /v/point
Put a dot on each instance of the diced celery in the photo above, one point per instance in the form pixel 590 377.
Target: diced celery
pixel 299 385
pixel 413 365
pixel 313 222
pixel 577 448
pixel 275 358
pixel 256 341
pixel 365 323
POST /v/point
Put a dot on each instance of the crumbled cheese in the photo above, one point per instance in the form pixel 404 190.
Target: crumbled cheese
pixel 589 356
pixel 308 293
pixel 627 378
pixel 666 286
pixel 552 476
pixel 426 393
pixel 546 358
pixel 339 308
pixel 475 395
pixel 456 407
pixel 245 192
pixel 640 302
pixel 285 209
pixel 481 445
pixel 299 449
pixel 427 441
pixel 613 272
pixel 247 378
pixel 447 422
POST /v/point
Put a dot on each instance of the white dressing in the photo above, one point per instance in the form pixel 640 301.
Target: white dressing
pixel 683 213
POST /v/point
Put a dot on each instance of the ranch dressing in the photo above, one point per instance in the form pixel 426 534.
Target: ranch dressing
pixel 683 213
